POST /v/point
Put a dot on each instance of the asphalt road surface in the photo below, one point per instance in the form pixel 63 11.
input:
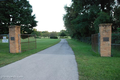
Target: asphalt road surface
pixel 54 63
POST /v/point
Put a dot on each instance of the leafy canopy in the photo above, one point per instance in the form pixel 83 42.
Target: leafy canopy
pixel 83 16
pixel 16 12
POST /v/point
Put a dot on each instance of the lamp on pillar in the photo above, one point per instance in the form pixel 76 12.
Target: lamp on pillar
pixel 14 39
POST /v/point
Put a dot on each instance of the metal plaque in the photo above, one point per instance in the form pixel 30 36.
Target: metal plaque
pixel 12 38
pixel 105 38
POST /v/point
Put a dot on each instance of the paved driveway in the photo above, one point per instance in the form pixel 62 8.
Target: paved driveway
pixel 54 63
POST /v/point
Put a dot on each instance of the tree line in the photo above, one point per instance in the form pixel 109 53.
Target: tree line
pixel 16 12
pixel 49 34
pixel 83 17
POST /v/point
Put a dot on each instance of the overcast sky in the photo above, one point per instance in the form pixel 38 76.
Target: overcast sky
pixel 49 14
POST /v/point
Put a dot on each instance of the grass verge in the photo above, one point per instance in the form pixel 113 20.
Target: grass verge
pixel 7 58
pixel 93 67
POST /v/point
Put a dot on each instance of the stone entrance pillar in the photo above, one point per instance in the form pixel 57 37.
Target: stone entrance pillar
pixel 14 39
pixel 105 39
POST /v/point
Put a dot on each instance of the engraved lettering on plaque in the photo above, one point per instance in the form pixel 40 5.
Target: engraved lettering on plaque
pixel 105 38
pixel 12 38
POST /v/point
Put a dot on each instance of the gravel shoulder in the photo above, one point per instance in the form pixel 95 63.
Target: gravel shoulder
pixel 54 63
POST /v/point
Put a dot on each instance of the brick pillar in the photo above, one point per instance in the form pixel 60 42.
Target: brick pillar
pixel 14 39
pixel 105 39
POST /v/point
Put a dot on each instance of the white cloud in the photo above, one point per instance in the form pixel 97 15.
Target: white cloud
pixel 49 14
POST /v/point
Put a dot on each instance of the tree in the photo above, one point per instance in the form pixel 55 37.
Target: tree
pixel 102 18
pixel 35 32
pixel 63 33
pixel 53 34
pixel 83 16
pixel 45 34
pixel 116 18
pixel 16 12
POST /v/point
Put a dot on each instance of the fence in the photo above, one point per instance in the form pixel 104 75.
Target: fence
pixel 115 46
pixel 95 42
pixel 115 51
pixel 4 43
pixel 28 42
pixel 86 39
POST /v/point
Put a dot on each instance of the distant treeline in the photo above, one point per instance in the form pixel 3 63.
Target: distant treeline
pixel 50 34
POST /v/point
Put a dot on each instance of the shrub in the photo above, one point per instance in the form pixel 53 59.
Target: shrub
pixel 116 38
pixel 37 37
pixel 86 39
pixel 53 37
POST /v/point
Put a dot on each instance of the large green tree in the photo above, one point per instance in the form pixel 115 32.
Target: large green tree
pixel 16 12
pixel 116 18
pixel 83 16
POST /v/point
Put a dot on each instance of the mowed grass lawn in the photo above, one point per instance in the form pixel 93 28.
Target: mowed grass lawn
pixel 7 58
pixel 93 67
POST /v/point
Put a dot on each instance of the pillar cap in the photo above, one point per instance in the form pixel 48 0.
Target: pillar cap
pixel 105 24
pixel 13 26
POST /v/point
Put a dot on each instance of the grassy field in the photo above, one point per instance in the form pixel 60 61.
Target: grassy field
pixel 7 58
pixel 93 67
